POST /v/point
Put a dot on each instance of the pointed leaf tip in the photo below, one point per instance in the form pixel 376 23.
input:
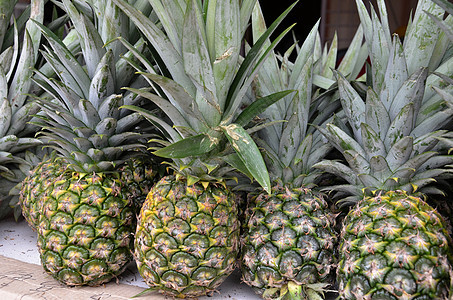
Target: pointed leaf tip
pixel 192 146
pixel 249 154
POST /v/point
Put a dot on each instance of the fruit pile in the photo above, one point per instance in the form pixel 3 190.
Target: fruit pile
pixel 173 133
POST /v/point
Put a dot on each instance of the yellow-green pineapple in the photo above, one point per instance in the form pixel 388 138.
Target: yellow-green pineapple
pixel 393 244
pixel 140 174
pixel 187 238
pixel 34 187
pixel 86 217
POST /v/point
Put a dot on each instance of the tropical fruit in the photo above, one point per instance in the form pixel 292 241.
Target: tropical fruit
pixel 85 214
pixel 188 230
pixel 289 243
pixel 289 240
pixel 34 188
pixel 85 229
pixel 139 174
pixel 187 237
pixel 394 245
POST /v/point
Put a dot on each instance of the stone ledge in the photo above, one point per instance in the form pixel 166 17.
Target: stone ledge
pixel 25 281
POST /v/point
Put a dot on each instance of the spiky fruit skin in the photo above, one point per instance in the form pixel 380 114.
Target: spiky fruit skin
pixel 86 228
pixel 288 238
pixel 34 188
pixel 139 175
pixel 394 246
pixel 187 238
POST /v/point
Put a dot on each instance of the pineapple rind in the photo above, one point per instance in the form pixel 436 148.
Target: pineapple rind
pixel 288 239
pixel 34 188
pixel 396 245
pixel 187 238
pixel 86 213
pixel 139 175
pixel 85 228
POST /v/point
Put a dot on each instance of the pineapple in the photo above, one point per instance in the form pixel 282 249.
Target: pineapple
pixel 187 237
pixel 86 217
pixel 34 187
pixel 289 241
pixel 17 58
pixel 393 244
pixel 139 175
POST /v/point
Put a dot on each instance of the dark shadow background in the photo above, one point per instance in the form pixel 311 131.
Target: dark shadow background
pixel 306 13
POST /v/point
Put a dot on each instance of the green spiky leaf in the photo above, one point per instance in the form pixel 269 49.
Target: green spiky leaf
pixel 252 61
pixel 192 146
pixel 352 104
pixel 401 126
pixel 376 115
pixel 258 106
pixel 371 141
pixel 249 153
pixel 399 153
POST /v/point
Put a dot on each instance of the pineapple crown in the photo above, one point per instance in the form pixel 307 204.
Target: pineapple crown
pixel 199 49
pixel 82 120
pixel 16 61
pixel 393 139
pixel 447 27
pixel 292 145
pixel 19 43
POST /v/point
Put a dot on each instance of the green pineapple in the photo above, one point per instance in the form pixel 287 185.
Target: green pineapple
pixel 289 241
pixel 17 58
pixel 187 238
pixel 86 216
pixel 139 175
pixel 33 188
pixel 393 244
